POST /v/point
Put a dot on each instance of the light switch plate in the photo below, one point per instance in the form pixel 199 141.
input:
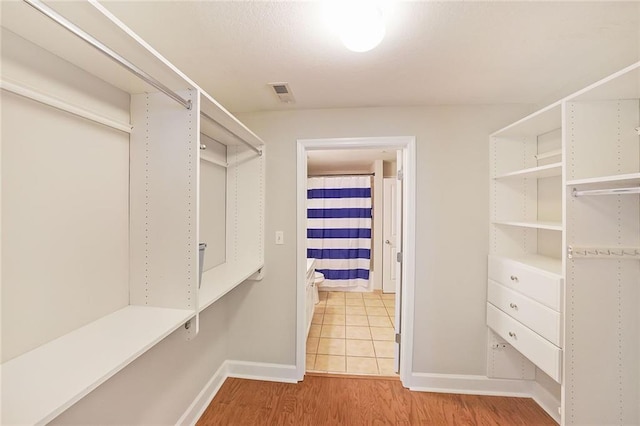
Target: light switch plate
pixel 279 237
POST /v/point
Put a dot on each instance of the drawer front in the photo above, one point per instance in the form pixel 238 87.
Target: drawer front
pixel 539 285
pixel 539 318
pixel 538 350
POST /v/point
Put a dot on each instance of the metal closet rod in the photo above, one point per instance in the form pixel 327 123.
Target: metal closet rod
pixel 608 191
pixel 343 175
pixel 66 24
pixel 63 106
pixel 208 117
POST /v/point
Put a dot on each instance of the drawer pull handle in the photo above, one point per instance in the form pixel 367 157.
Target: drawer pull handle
pixel 513 306
pixel 512 334
pixel 514 278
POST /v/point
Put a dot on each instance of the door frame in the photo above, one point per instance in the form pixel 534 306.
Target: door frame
pixel 389 207
pixel 408 146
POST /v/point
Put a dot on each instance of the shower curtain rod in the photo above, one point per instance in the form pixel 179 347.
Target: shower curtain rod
pixel 343 174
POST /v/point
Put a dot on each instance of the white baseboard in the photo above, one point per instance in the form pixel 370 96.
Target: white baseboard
pixel 468 384
pixel 262 371
pixel 204 398
pixel 546 400
pixel 482 385
pixel 239 369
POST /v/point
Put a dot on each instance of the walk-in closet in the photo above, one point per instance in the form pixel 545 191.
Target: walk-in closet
pixel 179 247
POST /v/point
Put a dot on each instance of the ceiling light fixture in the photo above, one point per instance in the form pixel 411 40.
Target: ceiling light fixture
pixel 360 23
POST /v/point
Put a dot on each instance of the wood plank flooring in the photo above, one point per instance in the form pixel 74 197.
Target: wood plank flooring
pixel 323 400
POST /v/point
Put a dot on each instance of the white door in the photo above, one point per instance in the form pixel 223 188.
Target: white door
pixel 397 261
pixel 389 235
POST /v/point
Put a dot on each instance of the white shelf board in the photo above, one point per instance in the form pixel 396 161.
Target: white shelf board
pixel 549 154
pixel 548 170
pixel 42 383
pixel 218 112
pixel 223 278
pixel 551 226
pixel 625 84
pixel 617 180
pixel 538 123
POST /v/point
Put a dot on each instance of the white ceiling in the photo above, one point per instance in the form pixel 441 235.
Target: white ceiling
pixel 468 52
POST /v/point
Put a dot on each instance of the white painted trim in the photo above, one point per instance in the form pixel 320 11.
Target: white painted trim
pixel 469 385
pixel 204 398
pixel 262 371
pixel 301 260
pixel 546 401
pixel 237 369
pixel 408 145
pixel 482 385
pixel 409 186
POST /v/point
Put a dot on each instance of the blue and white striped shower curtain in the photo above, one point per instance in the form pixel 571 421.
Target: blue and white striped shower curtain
pixel 339 229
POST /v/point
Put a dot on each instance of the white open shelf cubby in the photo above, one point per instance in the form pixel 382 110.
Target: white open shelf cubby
pixel 101 222
pixel 526 230
pixel 526 171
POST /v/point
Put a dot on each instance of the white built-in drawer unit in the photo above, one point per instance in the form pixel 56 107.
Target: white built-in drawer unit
pixel 524 308
pixel 544 321
pixel 538 284
pixel 540 351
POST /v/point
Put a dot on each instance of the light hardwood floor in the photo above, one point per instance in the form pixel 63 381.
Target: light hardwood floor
pixel 324 400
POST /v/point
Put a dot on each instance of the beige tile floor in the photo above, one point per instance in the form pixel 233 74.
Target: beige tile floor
pixel 352 333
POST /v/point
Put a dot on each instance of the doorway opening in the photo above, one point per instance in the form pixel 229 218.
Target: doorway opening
pixel 375 336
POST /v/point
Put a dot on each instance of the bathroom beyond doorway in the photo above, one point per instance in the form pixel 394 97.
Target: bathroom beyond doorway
pixel 352 333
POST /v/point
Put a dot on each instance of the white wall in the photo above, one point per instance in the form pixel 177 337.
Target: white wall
pixel 65 192
pixel 452 229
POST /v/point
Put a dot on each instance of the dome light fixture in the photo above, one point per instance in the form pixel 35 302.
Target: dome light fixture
pixel 360 23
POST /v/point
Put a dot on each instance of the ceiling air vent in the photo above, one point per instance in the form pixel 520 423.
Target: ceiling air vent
pixel 283 92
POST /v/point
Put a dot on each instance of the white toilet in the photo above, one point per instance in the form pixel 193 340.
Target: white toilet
pixel 318 277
